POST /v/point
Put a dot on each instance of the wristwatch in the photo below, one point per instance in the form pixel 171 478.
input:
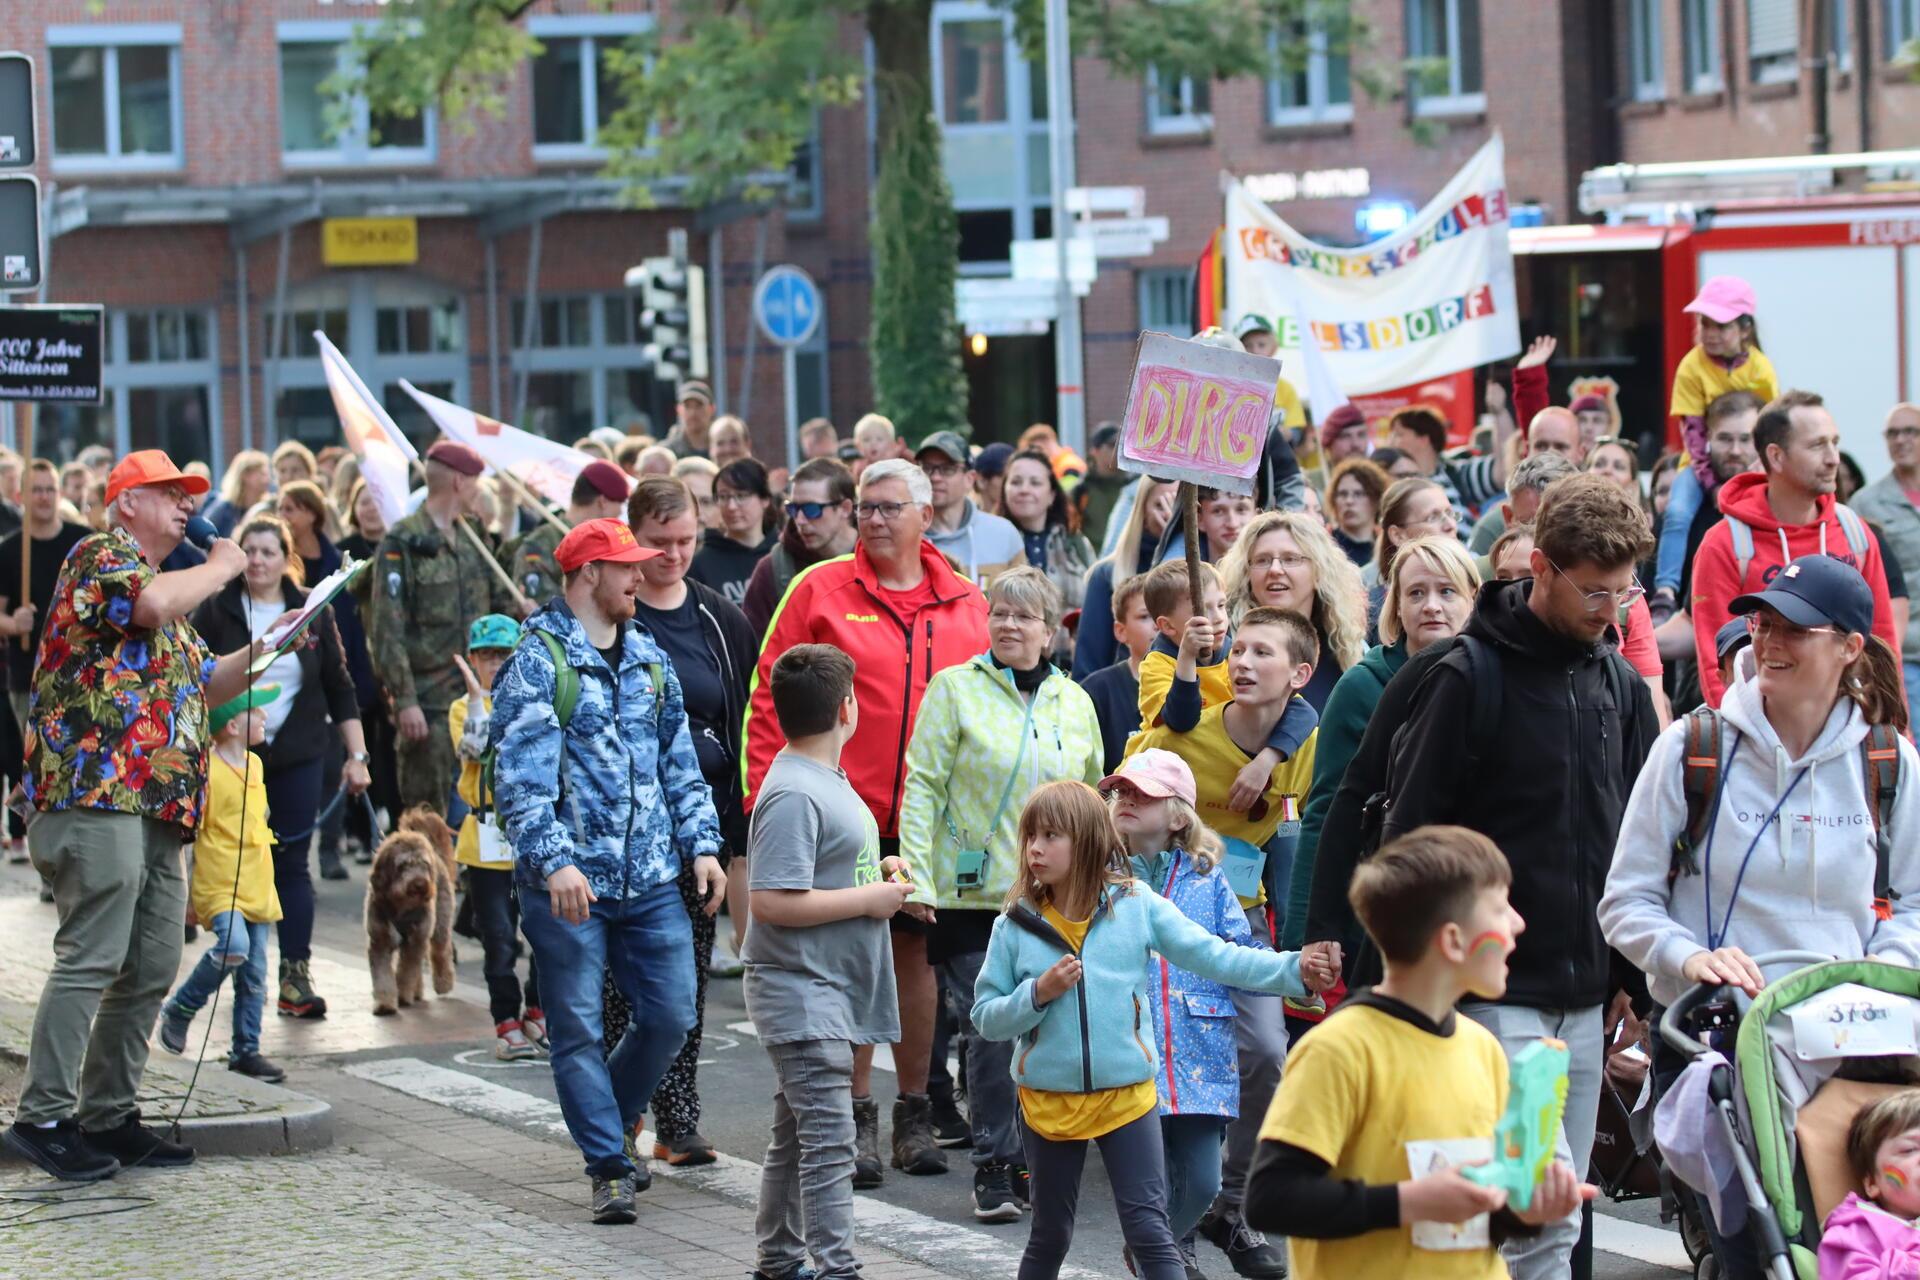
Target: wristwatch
pixel 359 757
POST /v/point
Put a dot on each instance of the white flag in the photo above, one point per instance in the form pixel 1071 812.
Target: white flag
pixel 545 466
pixel 379 445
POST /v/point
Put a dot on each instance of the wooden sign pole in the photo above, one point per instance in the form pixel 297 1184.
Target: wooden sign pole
pixel 24 413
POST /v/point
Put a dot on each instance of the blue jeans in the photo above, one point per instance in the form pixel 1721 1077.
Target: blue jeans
pixel 647 943
pixel 239 948
pixel 1192 1148
pixel 1683 503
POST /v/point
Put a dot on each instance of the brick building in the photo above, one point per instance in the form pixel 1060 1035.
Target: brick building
pixel 189 170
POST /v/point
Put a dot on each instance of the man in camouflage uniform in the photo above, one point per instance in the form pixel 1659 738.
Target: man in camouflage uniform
pixel 599 492
pixel 429 583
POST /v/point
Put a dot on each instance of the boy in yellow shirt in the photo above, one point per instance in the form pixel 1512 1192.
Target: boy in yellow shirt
pixel 1360 1155
pixel 232 890
pixel 483 850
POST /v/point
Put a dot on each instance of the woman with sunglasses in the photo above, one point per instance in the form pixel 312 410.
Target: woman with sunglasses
pixel 1790 856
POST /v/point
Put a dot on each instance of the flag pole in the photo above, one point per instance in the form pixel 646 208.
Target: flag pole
pixel 506 579
pixel 529 498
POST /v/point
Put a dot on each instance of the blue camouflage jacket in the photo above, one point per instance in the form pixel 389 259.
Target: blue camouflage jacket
pixel 622 798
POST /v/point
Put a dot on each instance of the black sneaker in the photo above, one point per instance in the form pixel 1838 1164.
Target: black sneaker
pixel 685 1152
pixel 62 1151
pixel 950 1128
pixel 802 1272
pixel 613 1200
pixel 330 867
pixel 1252 1255
pixel 133 1143
pixel 173 1028
pixel 993 1198
pixel 867 1173
pixel 260 1068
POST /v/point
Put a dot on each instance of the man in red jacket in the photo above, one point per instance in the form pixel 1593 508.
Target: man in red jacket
pixel 897 607
pixel 1784 511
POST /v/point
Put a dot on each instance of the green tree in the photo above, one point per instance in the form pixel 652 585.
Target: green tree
pixel 717 98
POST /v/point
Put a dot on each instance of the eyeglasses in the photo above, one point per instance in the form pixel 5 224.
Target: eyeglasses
pixel 735 499
pixel 887 511
pixel 811 510
pixel 1903 433
pixel 1290 562
pixel 942 470
pixel 997 616
pixel 1595 601
pixel 1762 626
pixel 1441 519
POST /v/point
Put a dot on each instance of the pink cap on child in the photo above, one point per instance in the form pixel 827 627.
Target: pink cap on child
pixel 1724 299
pixel 1155 773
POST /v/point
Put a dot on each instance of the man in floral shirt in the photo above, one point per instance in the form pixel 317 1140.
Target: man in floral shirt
pixel 116 755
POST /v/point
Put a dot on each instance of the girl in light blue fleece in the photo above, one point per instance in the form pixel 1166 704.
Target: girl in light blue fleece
pixel 1065 978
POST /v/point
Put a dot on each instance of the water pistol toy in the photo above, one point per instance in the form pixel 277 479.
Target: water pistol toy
pixel 1525 1138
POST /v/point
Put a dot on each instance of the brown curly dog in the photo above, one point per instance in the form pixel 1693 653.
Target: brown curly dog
pixel 410 911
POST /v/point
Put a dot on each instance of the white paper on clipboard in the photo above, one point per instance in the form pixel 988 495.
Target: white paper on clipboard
pixel 281 636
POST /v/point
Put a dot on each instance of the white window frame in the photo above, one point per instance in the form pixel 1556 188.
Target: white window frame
pixel 351 149
pixel 1839 35
pixel 1701 49
pixel 1646 52
pixel 1455 101
pixel 593 29
pixel 1902 23
pixel 109 38
pixel 815 206
pixel 122 378
pixel 1184 122
pixel 1146 281
pixel 1783 66
pixel 1020 129
pixel 600 358
pixel 1317 110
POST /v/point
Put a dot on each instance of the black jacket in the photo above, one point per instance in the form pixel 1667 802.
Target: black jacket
pixel 736 650
pixel 326 687
pixel 1553 783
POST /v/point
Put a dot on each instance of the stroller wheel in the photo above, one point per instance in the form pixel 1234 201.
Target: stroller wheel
pixel 1693 1238
pixel 1707 1268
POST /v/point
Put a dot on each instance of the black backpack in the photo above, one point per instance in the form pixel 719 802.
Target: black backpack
pixel 1703 774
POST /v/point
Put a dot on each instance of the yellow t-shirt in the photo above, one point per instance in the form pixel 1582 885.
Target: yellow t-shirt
pixel 1216 759
pixel 1701 379
pixel 1384 1100
pixel 220 845
pixel 1287 401
pixel 1078 1117
pixel 466 849
pixel 1156 681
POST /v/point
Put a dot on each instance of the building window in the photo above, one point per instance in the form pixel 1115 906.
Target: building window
pixel 417 330
pixel 1773 41
pixel 297 327
pixel 1318 88
pixel 160 378
pixel 1839 35
pixel 1903 25
pixel 973 66
pixel 562 322
pixel 804 202
pixel 311 134
pixel 1646 65
pixel 993 110
pixel 1700 34
pixel 1177 103
pixel 116 96
pixel 1448 32
pixel 1166 300
pixel 585 368
pixel 573 95
pixel 166 336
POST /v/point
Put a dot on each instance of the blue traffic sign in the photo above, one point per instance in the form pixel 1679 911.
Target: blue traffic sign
pixel 786 303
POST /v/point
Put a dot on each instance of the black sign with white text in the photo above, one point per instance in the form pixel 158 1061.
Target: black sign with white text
pixel 52 353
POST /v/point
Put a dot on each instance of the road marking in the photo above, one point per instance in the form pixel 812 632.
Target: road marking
pixel 1658 1245
pixel 928 1240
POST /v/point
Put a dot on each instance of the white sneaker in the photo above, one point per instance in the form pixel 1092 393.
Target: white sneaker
pixel 534 1024
pixel 512 1044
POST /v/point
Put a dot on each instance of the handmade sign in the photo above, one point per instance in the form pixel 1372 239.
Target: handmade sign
pixel 1197 412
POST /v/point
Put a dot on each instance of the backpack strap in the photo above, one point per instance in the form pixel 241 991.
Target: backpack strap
pixel 1483 719
pixel 1742 535
pixel 1881 755
pixel 1700 781
pixel 566 681
pixel 1856 530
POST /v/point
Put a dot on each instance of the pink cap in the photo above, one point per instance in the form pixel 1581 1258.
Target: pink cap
pixel 1724 299
pixel 1155 773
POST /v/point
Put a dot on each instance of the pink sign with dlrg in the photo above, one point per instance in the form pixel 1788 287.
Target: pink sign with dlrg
pixel 1197 412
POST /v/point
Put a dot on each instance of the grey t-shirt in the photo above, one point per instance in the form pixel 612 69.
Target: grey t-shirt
pixel 830 981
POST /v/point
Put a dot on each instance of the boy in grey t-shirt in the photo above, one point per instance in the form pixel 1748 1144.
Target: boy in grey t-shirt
pixel 819 963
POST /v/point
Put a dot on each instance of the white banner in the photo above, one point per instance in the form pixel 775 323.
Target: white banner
pixel 380 446
pixel 1432 299
pixel 544 466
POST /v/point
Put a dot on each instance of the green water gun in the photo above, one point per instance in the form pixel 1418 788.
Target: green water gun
pixel 1524 1139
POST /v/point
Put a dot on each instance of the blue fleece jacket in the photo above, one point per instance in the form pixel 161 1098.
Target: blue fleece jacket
pixel 1099 1034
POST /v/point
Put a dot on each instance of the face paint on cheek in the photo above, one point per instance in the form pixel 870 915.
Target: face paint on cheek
pixel 1492 940
pixel 1893 1177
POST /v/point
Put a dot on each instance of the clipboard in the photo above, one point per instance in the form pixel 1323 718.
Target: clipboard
pixel 295 625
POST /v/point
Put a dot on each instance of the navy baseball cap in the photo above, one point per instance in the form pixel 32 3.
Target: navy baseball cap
pixel 992 460
pixel 1732 634
pixel 1816 591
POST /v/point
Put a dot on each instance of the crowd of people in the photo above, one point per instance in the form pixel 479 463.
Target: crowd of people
pixel 1254 876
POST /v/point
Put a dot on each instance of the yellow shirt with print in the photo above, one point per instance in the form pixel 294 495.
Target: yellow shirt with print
pixel 1216 759
pixel 224 843
pixel 1382 1100
pixel 466 849
pixel 1700 380
pixel 1156 681
pixel 1080 1117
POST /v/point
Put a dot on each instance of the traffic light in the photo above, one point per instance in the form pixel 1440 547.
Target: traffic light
pixel 672 322
pixel 20 254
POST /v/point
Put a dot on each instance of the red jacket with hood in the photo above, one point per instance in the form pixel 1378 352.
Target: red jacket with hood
pixel 1716 573
pixel 839 602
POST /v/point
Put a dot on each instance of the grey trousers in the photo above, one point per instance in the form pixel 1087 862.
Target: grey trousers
pixel 121 897
pixel 1549 1255
pixel 1260 1037
pixel 993 1107
pixel 806 1183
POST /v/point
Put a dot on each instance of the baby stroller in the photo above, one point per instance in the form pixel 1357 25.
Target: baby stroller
pixel 1787 1113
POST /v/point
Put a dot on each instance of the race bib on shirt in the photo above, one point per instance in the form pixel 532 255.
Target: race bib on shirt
pixel 1432 1156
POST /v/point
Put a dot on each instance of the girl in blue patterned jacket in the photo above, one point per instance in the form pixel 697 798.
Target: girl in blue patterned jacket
pixel 1176 854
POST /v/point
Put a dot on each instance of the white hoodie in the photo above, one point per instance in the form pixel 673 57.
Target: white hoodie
pixel 1809 884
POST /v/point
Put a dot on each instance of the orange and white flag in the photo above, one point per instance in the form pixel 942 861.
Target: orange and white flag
pixel 380 446
pixel 545 466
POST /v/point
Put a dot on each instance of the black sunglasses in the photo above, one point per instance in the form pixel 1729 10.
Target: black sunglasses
pixel 811 510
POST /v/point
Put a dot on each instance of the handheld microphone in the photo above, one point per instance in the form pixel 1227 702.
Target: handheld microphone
pixel 200 532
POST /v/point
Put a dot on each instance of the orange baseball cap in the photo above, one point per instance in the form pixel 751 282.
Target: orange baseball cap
pixel 151 466
pixel 602 539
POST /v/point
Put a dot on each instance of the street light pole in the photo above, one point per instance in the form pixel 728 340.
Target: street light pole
pixel 1070 418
